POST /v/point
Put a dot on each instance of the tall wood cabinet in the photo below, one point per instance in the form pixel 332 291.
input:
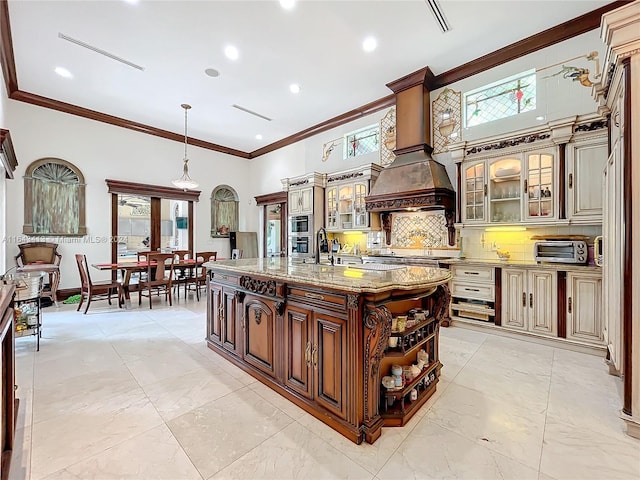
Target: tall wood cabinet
pixel 619 95
pixel 8 402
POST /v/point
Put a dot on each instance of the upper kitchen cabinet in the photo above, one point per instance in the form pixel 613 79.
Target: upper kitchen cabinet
pixel 542 176
pixel 586 160
pixel 306 194
pixel 345 198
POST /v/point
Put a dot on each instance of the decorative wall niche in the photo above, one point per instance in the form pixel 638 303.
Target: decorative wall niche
pixel 224 211
pixel 54 199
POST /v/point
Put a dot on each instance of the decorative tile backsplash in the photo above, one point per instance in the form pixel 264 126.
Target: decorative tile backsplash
pixel 419 230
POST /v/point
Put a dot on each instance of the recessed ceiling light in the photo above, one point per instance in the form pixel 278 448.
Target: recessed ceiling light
pixel 212 72
pixel 540 118
pixel 287 4
pixel 369 44
pixel 258 137
pixel 231 52
pixel 63 72
pixel 294 87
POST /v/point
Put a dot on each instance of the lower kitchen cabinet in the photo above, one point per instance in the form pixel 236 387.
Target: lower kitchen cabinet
pixel 529 300
pixel 584 307
pixel 315 357
pixel 258 331
pixel 222 327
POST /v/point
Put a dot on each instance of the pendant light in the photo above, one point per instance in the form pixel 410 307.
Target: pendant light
pixel 185 182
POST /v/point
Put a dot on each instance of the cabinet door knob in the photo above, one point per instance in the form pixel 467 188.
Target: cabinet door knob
pixel 526 188
pixel 571 180
pixel 569 304
pixel 524 299
pixel 485 189
pixel 531 300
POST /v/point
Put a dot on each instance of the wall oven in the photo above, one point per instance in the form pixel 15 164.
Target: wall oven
pixel 301 224
pixel 300 245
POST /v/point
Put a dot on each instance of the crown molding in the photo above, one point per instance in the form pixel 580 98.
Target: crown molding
pixel 551 36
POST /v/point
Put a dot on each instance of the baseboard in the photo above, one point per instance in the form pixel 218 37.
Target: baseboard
pixel 487 327
pixel 64 293
pixel 633 424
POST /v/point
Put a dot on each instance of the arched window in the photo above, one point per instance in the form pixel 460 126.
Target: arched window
pixel 224 211
pixel 54 202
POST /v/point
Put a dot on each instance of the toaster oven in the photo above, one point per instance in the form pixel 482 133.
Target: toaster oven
pixel 561 251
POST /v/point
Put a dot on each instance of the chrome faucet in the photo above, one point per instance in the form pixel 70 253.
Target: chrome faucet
pixel 321 233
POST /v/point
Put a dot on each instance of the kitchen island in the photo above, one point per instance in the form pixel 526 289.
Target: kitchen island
pixel 319 335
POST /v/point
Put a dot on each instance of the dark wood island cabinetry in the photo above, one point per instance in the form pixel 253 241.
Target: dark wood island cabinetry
pixel 319 335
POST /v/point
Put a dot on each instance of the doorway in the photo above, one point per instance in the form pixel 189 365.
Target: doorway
pixel 274 231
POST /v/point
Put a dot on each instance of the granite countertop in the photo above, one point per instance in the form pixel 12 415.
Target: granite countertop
pixel 340 277
pixel 522 263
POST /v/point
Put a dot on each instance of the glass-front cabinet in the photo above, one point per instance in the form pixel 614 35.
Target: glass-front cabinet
pixel 505 190
pixel 475 186
pixel 539 187
pixel 514 188
pixel 360 217
pixel 331 196
pixel 345 195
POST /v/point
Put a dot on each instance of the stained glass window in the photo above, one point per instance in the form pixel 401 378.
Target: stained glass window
pixel 502 99
pixel 362 141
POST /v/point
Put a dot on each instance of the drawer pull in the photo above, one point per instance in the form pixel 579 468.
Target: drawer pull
pixel 314 354
pixel 315 296
pixel 472 289
pixel 307 354
pixel 472 273
pixel 224 277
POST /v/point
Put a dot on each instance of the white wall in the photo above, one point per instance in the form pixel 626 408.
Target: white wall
pixel 104 151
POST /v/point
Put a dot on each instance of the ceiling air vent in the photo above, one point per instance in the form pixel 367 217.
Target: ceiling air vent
pixel 434 6
pixel 251 112
pixel 99 50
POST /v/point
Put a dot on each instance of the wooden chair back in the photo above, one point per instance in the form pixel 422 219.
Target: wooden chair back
pixel 38 252
pixel 204 257
pixel 157 267
pixel 83 269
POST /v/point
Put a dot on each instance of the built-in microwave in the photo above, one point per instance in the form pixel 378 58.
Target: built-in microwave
pixel 301 224
pixel 300 245
pixel 561 251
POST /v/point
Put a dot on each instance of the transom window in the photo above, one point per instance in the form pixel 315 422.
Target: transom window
pixel 363 141
pixel 502 99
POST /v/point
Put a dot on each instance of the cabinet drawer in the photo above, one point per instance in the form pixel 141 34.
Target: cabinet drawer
pixel 322 298
pixel 224 277
pixel 475 274
pixel 472 290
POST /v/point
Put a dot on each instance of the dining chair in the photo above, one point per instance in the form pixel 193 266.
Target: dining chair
pixel 95 290
pixel 159 277
pixel 181 274
pixel 200 278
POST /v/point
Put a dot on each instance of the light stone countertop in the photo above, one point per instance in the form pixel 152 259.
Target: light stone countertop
pixel 524 263
pixel 339 277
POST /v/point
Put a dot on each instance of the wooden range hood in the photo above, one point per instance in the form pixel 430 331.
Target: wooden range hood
pixel 414 181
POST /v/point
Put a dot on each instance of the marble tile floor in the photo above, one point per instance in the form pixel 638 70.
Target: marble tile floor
pixel 136 394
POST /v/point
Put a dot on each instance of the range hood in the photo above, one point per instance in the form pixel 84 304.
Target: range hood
pixel 414 180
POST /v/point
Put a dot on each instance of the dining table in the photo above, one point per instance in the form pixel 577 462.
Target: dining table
pixel 128 269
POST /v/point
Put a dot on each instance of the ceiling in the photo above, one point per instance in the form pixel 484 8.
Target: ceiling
pixel 317 44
